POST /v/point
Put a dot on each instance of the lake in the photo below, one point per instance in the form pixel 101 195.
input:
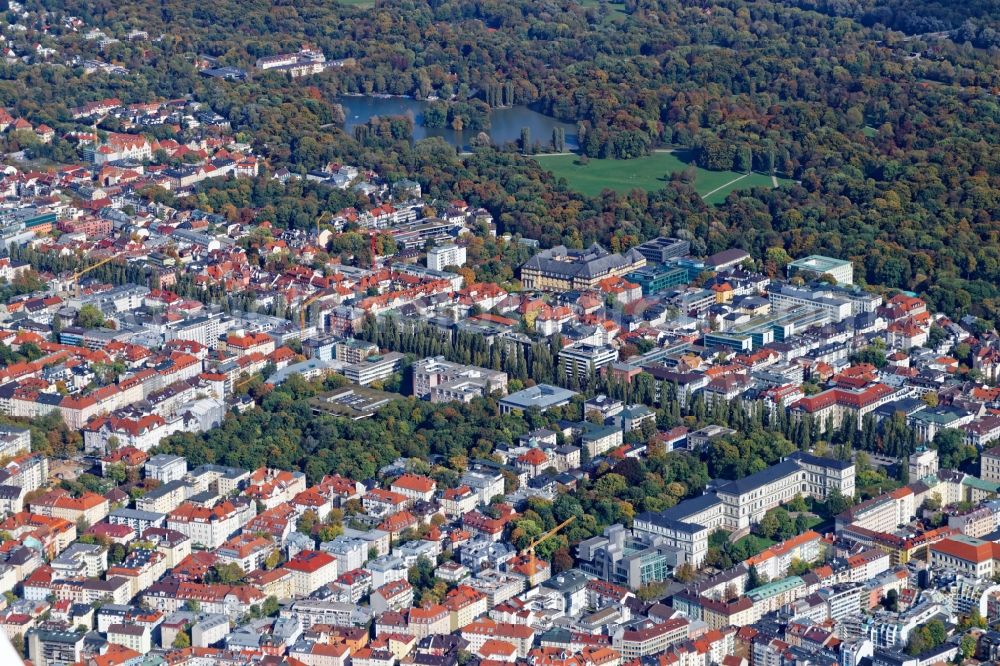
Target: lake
pixel 505 124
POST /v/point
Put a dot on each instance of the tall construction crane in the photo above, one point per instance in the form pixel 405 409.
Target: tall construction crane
pixel 530 550
pixel 76 276
pixel 304 308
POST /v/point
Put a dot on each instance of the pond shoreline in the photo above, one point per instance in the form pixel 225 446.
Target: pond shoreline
pixel 506 123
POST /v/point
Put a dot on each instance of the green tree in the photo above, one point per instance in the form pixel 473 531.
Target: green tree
pixel 967 646
pixel 307 522
pixel 116 473
pixel 90 317
pixel 270 607
pixel 228 574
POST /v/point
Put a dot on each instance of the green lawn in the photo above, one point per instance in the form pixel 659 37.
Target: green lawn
pixel 869 131
pixel 617 12
pixel 358 3
pixel 758 544
pixel 646 173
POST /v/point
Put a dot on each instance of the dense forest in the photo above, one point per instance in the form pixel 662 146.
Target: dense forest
pixel 891 134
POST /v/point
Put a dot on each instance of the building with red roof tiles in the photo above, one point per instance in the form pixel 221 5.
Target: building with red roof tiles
pixel 274 583
pixel 836 404
pixel 380 502
pixel 393 596
pixel 906 334
pixel 135 434
pixel 427 620
pixel 209 527
pixel 533 462
pixel 311 570
pixel 489 527
pixel 113 533
pixel 339 488
pixel 458 501
pixel 312 499
pixel 171 594
pixel 774 562
pixel 465 604
pixel 127 456
pixel 246 550
pixel 249 343
pixel 272 487
pixel 355 583
pixel 975 558
pixel 620 289
pixel 60 504
pixel 414 487
pixel 277 522
pixel 497 651
pixel 397 523
pixel 521 637
pixel 534 569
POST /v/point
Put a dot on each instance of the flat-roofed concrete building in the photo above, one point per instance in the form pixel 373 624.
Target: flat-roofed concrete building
pixel 659 250
pixel 443 381
pixel 542 396
pixel 840 270
pixel 374 368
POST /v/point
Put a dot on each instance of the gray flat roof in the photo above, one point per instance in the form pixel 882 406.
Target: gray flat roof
pixel 541 395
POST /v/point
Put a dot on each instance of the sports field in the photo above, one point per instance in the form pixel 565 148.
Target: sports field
pixel 651 172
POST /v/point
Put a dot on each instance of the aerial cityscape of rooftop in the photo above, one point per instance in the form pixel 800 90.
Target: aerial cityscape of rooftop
pixel 480 333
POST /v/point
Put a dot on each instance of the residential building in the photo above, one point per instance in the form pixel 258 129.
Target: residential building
pixel 581 359
pixel 311 570
pixel 443 381
pixel 445 255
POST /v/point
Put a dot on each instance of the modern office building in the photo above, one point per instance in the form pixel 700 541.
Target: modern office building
pixel 542 396
pixel 840 270
pixel 654 278
pixel 659 250
pixel 583 358
pixel 626 558
pixel 374 368
pixel 442 381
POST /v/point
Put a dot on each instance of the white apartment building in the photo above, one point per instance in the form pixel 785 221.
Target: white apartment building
pixel 209 527
pixel 442 380
pixel 884 513
pixel 581 358
pixel 166 468
pixel 445 255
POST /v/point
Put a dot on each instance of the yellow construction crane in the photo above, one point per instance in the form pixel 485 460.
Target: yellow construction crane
pixel 530 550
pixel 78 274
pixel 304 308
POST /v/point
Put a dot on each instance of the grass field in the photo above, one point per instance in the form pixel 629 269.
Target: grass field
pixel 757 543
pixel 361 4
pixel 647 173
pixel 617 12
